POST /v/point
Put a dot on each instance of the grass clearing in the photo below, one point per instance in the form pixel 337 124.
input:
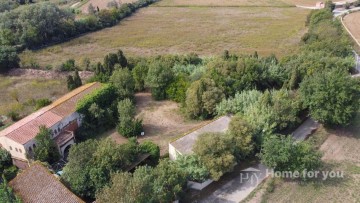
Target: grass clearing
pixel 203 30
pixel 25 90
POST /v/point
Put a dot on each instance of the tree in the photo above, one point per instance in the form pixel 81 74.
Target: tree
pixel 8 58
pixel 193 167
pixel 332 96
pixel 5 159
pixel 140 73
pixel 124 83
pixel 285 154
pixel 46 149
pixel 202 97
pixel 158 78
pixel 6 193
pixel 128 126
pixel 169 181
pixel 127 187
pixel 152 149
pixel 74 81
pixel 122 59
pixel 215 150
pixel 241 134
pixel 91 163
pixel 329 5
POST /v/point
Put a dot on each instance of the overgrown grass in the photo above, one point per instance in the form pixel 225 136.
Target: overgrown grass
pixel 17 93
pixel 203 30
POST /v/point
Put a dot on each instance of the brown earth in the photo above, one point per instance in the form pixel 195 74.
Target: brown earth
pixel 162 122
pixel 352 22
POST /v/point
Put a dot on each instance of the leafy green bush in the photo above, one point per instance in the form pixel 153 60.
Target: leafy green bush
pixel 41 103
pixel 194 168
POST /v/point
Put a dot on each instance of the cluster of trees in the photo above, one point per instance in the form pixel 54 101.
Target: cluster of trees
pixel 73 81
pixel 163 183
pixel 37 24
pixel 283 153
pixel 218 153
pixel 92 162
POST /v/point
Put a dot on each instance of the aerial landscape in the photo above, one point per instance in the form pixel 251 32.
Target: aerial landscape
pixel 187 101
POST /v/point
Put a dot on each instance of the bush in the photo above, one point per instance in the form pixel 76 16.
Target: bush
pixel 14 116
pixel 8 58
pixel 41 103
pixel 152 149
pixel 193 167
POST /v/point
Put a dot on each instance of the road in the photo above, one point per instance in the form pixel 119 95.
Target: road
pixel 237 185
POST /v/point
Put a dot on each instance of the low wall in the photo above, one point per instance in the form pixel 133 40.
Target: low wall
pixel 198 186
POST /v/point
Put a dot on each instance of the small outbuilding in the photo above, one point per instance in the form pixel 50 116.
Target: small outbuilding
pixel 184 145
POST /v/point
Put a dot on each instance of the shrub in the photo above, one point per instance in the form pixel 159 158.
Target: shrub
pixel 41 103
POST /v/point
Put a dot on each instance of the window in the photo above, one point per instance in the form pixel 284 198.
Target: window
pixel 20 151
pixel 30 149
pixel 16 149
pixel 34 146
pixel 10 147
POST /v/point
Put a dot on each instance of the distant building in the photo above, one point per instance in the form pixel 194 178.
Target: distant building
pixel 184 145
pixel 60 117
pixel 37 185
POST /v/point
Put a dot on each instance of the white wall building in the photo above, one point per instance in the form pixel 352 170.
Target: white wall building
pixel 60 117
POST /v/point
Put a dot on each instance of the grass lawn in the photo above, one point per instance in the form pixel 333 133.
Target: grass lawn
pixel 341 152
pixel 25 90
pixel 203 30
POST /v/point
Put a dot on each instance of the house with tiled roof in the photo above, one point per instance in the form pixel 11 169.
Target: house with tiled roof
pixel 37 185
pixel 60 116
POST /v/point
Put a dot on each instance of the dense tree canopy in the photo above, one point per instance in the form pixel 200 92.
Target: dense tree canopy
pixel 285 154
pixel 124 83
pixel 6 193
pixel 332 97
pixel 215 150
pixel 158 78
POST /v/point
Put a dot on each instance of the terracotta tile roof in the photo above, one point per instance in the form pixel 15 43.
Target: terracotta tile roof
pixel 37 185
pixel 27 128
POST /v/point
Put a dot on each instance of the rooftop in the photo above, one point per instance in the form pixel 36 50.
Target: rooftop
pixel 185 144
pixel 37 185
pixel 27 128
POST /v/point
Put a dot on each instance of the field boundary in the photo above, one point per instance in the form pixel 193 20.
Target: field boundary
pixel 347 29
pixel 219 6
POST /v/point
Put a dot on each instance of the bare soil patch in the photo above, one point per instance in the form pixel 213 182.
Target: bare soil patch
pixel 162 122
pixel 102 4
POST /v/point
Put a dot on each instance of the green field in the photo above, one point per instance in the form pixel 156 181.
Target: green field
pixel 203 30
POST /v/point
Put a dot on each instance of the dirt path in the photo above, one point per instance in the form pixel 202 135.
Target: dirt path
pixel 44 74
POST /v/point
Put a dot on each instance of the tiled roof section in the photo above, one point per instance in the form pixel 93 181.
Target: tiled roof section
pixel 67 104
pixel 185 144
pixel 27 128
pixel 28 131
pixel 37 185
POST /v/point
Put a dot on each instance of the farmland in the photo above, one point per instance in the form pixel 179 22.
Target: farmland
pixel 203 30
pixel 247 3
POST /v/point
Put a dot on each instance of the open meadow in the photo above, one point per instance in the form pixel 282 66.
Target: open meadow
pixel 18 93
pixel 203 30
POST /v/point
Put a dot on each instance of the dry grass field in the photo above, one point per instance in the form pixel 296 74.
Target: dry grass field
pixel 245 3
pixel 204 30
pixel 352 22
pixel 24 90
